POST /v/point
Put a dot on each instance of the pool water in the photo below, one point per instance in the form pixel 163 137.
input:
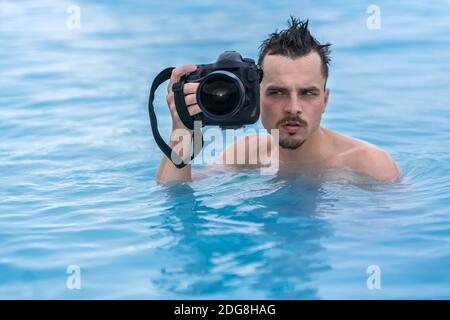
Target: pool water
pixel 78 161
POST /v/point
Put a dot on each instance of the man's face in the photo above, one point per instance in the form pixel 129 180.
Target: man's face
pixel 293 97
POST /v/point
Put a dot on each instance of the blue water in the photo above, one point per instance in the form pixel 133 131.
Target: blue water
pixel 78 161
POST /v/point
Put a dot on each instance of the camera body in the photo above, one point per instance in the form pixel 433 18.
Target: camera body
pixel 228 93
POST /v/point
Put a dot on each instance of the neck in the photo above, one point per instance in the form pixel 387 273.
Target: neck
pixel 315 149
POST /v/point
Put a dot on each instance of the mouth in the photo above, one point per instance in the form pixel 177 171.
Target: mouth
pixel 291 127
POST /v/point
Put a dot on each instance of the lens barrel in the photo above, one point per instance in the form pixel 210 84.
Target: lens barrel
pixel 220 94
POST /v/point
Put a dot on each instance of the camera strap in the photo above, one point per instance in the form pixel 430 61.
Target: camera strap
pixel 165 148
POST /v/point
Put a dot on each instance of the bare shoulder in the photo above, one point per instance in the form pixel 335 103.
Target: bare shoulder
pixel 364 157
pixel 245 150
pixel 372 161
pixel 242 153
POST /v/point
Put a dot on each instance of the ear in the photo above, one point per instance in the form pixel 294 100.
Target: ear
pixel 325 98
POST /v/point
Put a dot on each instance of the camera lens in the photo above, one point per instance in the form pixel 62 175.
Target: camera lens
pixel 221 93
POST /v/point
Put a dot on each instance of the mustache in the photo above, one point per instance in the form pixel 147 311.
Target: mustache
pixel 296 120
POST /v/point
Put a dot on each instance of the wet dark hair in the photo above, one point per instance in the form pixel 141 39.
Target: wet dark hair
pixel 294 42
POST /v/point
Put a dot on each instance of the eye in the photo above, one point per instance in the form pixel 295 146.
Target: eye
pixel 275 92
pixel 309 93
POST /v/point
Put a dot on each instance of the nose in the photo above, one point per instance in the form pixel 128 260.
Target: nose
pixel 293 105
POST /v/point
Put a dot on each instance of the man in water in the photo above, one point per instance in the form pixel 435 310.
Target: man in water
pixel 293 98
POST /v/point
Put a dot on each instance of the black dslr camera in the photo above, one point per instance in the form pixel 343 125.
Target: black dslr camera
pixel 228 96
pixel 228 92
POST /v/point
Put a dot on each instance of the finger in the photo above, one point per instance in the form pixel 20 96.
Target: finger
pixel 178 72
pixel 170 98
pixel 190 87
pixel 190 99
pixel 194 109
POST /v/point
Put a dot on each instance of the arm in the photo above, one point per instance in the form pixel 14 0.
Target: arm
pixel 167 171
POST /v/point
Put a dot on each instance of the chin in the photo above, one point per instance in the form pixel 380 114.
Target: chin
pixel 291 143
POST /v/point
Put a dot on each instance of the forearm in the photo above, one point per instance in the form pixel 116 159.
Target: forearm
pixel 167 171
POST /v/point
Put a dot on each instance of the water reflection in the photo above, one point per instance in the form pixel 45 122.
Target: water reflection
pixel 270 249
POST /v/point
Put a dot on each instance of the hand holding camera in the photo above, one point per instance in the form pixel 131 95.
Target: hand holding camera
pixel 189 90
pixel 224 93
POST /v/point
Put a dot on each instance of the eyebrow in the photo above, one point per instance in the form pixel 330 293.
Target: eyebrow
pixel 282 89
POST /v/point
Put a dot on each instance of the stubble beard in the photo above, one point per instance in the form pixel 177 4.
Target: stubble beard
pixel 291 142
